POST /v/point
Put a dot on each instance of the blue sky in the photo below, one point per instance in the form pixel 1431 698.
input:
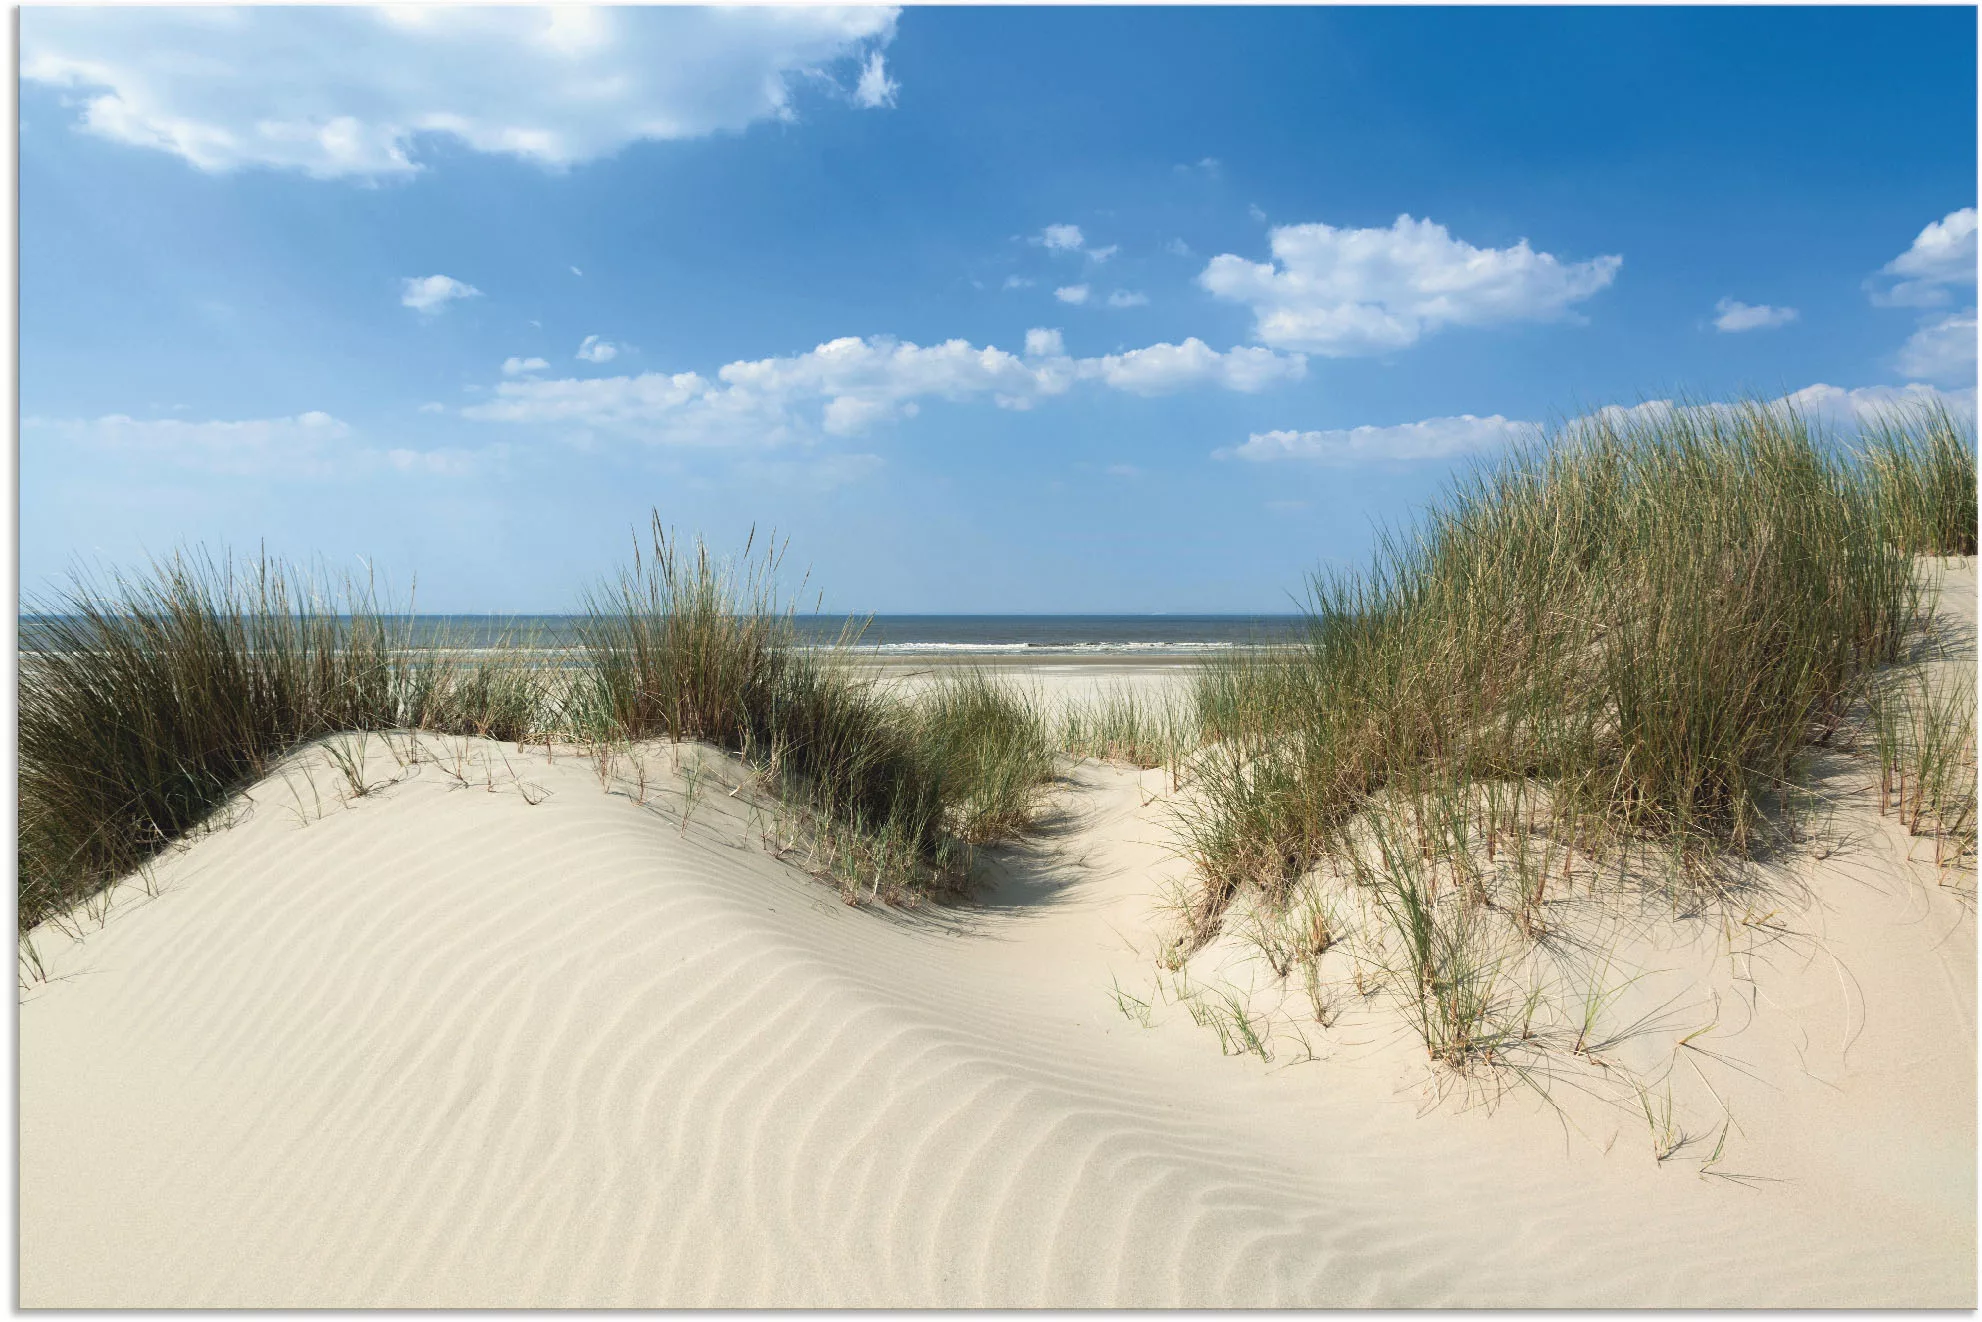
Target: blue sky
pixel 986 310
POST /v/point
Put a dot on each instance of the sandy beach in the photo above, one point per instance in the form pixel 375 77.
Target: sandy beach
pixel 492 1035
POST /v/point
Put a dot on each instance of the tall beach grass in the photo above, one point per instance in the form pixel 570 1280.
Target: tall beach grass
pixel 148 700
pixel 687 646
pixel 1635 630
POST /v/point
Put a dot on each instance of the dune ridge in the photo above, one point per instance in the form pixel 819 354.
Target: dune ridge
pixel 526 1042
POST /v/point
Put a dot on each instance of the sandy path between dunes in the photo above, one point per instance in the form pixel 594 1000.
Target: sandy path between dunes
pixel 525 1042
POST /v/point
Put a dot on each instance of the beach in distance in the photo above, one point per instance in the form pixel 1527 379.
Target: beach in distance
pixel 990 639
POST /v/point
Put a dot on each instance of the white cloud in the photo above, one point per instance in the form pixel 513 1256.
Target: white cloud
pixel 875 89
pixel 1019 282
pixel 1069 239
pixel 1434 438
pixel 1163 368
pixel 429 294
pixel 596 350
pixel 1344 292
pixel 1734 315
pixel 1942 351
pixel 575 271
pixel 1062 238
pixel 1178 248
pixel 1825 406
pixel 518 366
pixel 1943 254
pixel 1123 298
pixel 1941 257
pixel 341 92
pixel 1122 470
pixel 1075 294
pixel 432 407
pixel 311 445
pixel 1838 408
pixel 848 385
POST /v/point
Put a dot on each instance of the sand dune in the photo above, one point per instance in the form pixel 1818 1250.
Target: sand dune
pixel 521 1041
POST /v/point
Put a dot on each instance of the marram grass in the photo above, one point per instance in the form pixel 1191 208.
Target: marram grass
pixel 146 701
pixel 150 700
pixel 1618 644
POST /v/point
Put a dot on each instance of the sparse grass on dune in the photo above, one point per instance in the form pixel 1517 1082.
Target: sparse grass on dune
pixel 1923 735
pixel 1127 725
pixel 1635 632
pixel 987 743
pixel 685 646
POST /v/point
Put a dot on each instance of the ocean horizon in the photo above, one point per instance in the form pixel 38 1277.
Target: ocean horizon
pixel 897 635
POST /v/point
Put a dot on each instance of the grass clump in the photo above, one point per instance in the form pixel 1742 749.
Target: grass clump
pixel 1923 734
pixel 1648 620
pixel 1131 726
pixel 988 748
pixel 147 701
pixel 1921 463
pixel 684 646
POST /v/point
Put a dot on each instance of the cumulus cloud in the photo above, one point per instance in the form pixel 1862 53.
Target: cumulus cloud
pixel 846 386
pixel 1942 351
pixel 1832 408
pixel 347 92
pixel 1062 238
pixel 1163 368
pixel 1940 259
pixel 1942 254
pixel 1019 282
pixel 1433 438
pixel 1734 315
pixel 596 350
pixel 311 445
pixel 518 366
pixel 1841 409
pixel 429 294
pixel 1124 298
pixel 1075 294
pixel 1346 292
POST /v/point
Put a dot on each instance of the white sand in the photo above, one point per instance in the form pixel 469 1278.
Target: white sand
pixel 447 1046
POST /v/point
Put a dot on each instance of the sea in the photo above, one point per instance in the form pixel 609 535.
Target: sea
pixel 1016 637
pixel 992 637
